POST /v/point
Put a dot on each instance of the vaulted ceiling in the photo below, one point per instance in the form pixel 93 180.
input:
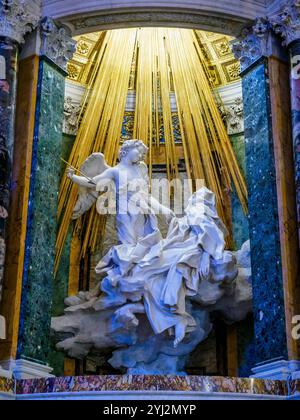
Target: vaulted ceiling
pixel 220 62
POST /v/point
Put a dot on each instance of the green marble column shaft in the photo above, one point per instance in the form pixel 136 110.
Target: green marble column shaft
pixel 37 288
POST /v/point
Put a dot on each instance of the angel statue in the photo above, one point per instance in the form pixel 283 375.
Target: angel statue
pixel 130 183
pixel 146 273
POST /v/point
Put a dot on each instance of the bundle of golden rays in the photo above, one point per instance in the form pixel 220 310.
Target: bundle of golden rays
pixel 165 60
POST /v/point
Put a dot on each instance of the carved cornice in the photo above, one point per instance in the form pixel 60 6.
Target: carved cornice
pixel 16 19
pixel 287 23
pixel 57 43
pixel 253 43
pixel 194 20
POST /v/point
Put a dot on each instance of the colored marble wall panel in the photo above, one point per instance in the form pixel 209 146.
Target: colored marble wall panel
pixel 268 297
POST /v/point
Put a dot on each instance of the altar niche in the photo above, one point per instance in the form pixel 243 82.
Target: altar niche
pixel 170 151
pixel 233 339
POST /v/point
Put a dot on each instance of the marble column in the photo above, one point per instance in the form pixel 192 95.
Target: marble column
pixel 274 249
pixel 37 288
pixel 16 20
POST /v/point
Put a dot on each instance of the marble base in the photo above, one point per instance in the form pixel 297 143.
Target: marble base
pixel 4 396
pixel 24 369
pixel 281 370
pixel 149 396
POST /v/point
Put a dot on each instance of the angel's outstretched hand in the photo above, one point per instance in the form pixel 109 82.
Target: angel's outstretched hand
pixel 70 173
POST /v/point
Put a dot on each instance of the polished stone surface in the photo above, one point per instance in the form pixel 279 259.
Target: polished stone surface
pixel 268 297
pixel 42 213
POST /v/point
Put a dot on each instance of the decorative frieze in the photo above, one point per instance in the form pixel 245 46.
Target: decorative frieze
pixel 287 23
pixel 57 43
pixel 16 19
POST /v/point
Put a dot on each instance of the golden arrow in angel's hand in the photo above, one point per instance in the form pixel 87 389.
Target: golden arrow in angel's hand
pixel 72 170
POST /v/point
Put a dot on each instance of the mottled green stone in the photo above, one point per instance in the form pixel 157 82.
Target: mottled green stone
pixel 37 293
pixel 67 144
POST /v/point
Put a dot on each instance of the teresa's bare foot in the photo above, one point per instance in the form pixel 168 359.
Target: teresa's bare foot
pixel 180 331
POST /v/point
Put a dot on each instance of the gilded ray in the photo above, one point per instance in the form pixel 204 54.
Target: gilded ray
pixel 166 60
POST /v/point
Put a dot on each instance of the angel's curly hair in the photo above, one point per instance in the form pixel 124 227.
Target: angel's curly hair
pixel 132 144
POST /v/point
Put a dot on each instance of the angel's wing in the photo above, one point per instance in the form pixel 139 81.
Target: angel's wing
pixel 93 166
